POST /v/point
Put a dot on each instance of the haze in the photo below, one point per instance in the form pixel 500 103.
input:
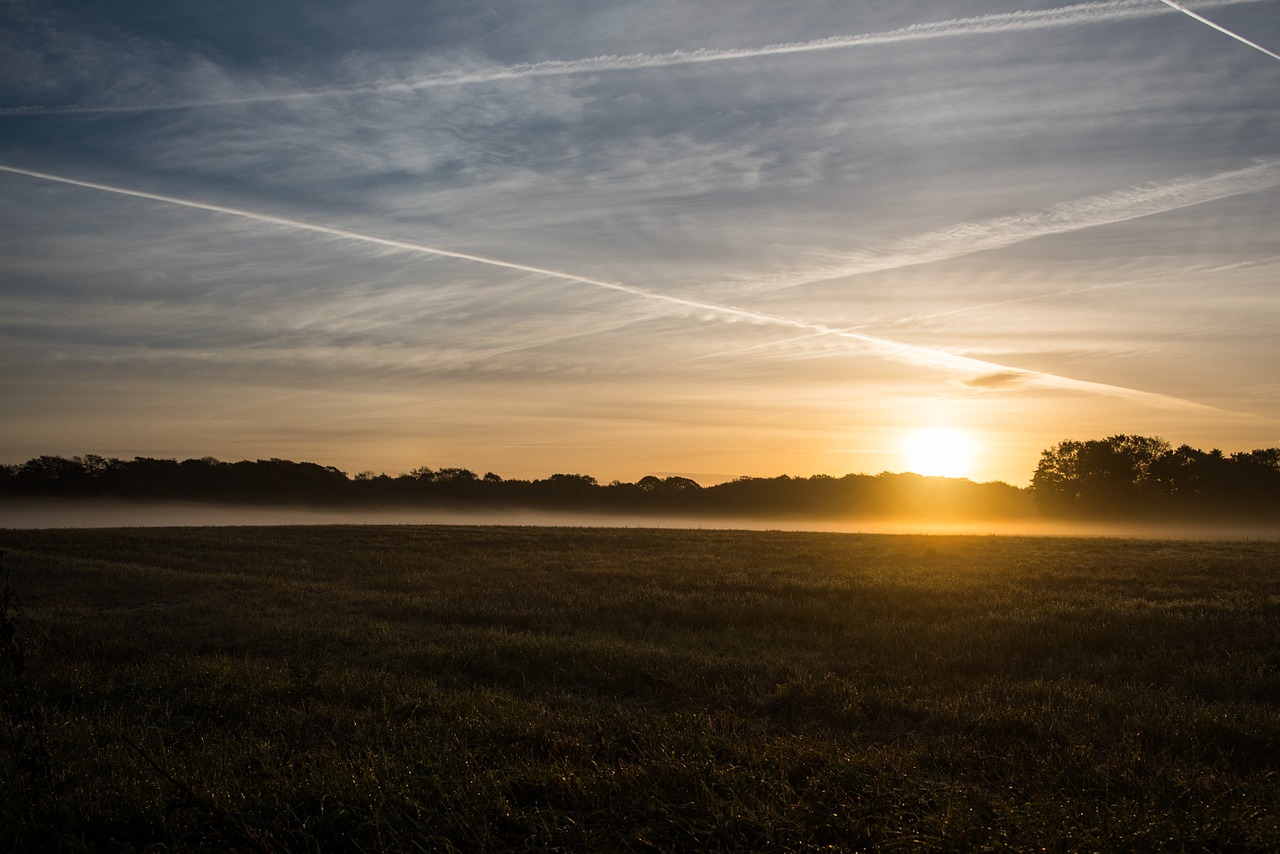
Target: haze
pixel 115 514
pixel 625 238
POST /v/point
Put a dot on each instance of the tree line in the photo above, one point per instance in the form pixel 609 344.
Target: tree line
pixel 278 481
pixel 1140 476
pixel 1121 476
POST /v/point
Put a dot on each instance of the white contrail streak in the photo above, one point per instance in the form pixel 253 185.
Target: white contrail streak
pixel 1184 10
pixel 998 232
pixel 1004 22
pixel 983 373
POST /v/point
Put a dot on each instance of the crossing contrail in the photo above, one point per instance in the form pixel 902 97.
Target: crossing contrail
pixel 995 233
pixel 982 373
pixel 1004 22
pixel 1184 10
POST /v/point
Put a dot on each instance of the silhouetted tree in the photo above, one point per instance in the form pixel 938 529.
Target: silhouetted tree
pixel 569 490
pixel 51 475
pixel 1140 476
pixel 1119 473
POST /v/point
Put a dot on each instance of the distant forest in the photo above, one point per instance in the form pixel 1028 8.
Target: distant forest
pixel 1120 476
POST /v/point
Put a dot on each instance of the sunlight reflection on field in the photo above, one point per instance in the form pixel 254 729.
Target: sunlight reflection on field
pixel 114 514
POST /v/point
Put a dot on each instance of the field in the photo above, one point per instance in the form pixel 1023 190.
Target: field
pixel 444 688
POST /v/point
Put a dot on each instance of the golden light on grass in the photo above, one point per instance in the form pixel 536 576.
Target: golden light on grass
pixel 939 452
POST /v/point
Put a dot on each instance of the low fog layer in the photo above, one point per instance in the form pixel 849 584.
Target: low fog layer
pixel 120 514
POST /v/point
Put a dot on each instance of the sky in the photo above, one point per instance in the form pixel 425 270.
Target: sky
pixel 711 239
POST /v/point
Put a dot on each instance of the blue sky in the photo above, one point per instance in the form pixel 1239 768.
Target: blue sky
pixel 715 238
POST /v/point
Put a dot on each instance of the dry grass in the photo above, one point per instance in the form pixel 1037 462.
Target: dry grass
pixel 455 688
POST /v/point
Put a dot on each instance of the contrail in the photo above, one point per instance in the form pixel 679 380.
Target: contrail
pixel 998 232
pixel 983 373
pixel 934 315
pixel 1004 22
pixel 1184 10
pixel 1244 265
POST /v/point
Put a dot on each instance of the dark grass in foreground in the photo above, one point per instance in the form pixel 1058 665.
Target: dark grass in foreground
pixel 451 688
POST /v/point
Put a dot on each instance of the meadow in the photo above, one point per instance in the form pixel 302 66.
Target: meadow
pixel 454 688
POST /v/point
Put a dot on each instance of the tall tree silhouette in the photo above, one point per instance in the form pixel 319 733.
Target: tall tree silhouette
pixel 1140 476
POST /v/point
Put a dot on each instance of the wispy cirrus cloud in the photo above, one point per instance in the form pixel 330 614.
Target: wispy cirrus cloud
pixel 997 232
pixel 1000 23
pixel 897 351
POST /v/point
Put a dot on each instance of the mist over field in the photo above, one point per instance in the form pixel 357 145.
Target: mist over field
pixel 115 514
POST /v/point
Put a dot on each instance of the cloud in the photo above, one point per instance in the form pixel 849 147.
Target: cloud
pixel 998 379
pixel 997 232
pixel 897 351
pixel 736 175
pixel 993 24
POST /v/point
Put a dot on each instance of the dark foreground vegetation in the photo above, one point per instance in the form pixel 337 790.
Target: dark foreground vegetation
pixel 1126 477
pixel 469 689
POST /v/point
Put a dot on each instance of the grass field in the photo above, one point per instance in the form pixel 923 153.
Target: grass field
pixel 468 688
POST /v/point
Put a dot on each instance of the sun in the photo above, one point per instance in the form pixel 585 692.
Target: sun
pixel 939 452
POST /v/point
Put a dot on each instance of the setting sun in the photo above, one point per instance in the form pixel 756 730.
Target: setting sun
pixel 939 451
